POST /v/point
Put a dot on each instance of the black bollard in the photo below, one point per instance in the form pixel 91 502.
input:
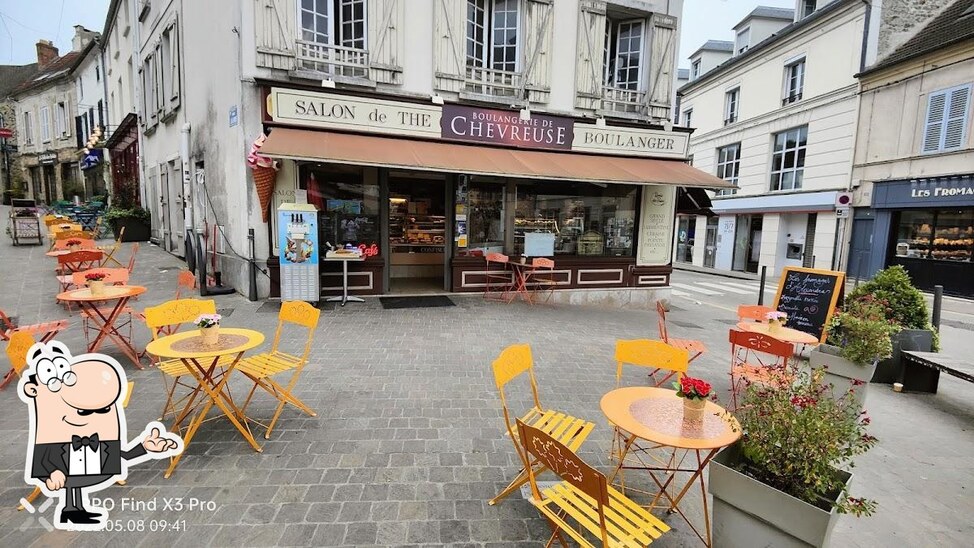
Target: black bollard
pixel 764 274
pixel 938 301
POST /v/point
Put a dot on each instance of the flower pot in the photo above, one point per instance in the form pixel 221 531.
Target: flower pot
pixel 693 409
pixel 211 335
pixel 890 370
pixel 96 287
pixel 841 373
pixel 750 513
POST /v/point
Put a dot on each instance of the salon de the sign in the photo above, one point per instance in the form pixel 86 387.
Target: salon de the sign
pixel 469 124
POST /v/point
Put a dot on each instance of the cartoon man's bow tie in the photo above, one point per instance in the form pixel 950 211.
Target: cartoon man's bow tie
pixel 77 442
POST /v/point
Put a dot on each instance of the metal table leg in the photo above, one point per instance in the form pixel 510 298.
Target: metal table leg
pixel 345 296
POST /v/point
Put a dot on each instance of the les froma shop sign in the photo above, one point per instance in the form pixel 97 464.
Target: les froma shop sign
pixel 469 124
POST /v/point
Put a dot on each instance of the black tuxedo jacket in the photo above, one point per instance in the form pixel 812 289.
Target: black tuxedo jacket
pixel 49 457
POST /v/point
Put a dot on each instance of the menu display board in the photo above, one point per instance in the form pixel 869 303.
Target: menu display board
pixel 808 296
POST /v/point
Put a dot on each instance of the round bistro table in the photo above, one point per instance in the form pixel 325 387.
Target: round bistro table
pixel 655 415
pixel 201 361
pixel 105 318
pixel 781 333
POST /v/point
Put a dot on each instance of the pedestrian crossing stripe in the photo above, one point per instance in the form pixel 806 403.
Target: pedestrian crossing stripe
pixel 678 293
pixel 727 287
pixel 754 287
pixel 695 289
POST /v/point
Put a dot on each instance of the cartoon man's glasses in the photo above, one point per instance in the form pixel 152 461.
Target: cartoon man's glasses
pixel 55 373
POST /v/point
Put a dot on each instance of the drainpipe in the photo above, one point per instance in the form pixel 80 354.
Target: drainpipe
pixel 188 220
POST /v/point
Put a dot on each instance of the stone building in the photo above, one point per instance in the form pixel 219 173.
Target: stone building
pixel 11 172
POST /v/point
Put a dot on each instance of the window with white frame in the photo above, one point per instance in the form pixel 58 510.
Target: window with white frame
pixel 794 81
pixel 28 128
pixel 788 158
pixel 492 34
pixel 61 121
pixel 807 8
pixel 728 166
pixel 731 104
pixel 45 114
pixel 623 54
pixel 947 118
pixel 695 70
pixel 334 22
pixel 743 40
pixel 687 117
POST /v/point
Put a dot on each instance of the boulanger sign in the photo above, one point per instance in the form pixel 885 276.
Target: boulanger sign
pixel 470 124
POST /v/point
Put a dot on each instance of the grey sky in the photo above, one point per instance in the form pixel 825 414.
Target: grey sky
pixel 713 19
pixel 23 22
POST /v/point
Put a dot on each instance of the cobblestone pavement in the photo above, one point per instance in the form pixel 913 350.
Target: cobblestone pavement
pixel 408 444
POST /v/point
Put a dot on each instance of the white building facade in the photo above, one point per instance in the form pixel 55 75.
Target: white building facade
pixel 90 123
pixel 778 120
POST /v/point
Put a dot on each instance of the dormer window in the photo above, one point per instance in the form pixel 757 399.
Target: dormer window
pixel 806 8
pixel 743 40
pixel 695 70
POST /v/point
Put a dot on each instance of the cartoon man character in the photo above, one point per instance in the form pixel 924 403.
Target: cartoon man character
pixel 77 428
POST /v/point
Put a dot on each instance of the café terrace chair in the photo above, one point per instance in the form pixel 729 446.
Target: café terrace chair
pixel 582 505
pixel 514 361
pixel 498 278
pixel 260 368
pixel 76 261
pixel 662 358
pixel 45 331
pixel 542 277
pixel 694 347
pixel 754 313
pixel 757 358
pixel 60 245
pixel 185 281
pixel 166 319
pixel 110 250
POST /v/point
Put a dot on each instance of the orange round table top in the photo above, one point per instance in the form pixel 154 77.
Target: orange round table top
pixel 109 293
pixel 59 252
pixel 782 333
pixel 656 415
pixel 184 344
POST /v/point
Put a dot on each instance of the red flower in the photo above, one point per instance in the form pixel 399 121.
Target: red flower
pixel 95 276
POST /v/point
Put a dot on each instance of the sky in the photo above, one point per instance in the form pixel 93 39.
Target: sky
pixel 23 22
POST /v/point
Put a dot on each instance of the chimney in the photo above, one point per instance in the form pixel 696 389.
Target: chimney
pixel 82 37
pixel 46 53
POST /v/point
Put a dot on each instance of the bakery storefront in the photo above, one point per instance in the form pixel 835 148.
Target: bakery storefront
pixel 928 227
pixel 427 190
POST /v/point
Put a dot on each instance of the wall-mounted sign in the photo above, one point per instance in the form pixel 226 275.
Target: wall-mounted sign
pixel 656 225
pixel 468 123
pixel 47 158
pixel 234 116
pixel 305 108
pixel 92 159
pixel 630 141
pixel 948 191
pixel 503 127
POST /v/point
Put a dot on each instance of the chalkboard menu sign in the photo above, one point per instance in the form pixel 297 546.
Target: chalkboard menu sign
pixel 809 297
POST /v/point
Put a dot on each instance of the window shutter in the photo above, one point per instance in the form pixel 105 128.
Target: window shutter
pixel 661 65
pixel 590 57
pixel 275 23
pixel 385 40
pixel 174 62
pixel 956 119
pixel 935 121
pixel 449 44
pixel 537 50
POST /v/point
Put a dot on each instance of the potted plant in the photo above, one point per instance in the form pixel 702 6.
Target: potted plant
pixel 73 244
pixel 694 393
pixel 783 483
pixel 209 325
pixel 126 212
pixel 906 310
pixel 96 282
pixel 858 337
pixel 776 319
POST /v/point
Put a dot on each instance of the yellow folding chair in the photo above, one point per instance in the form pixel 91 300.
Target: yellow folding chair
pixel 514 361
pixel 599 512
pixel 261 367
pixel 166 319
pixel 111 249
pixel 656 355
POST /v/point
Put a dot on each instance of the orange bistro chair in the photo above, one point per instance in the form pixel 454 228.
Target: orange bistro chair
pixel 582 505
pixel 60 245
pixel 262 367
pixel 514 361
pixel 694 347
pixel 185 281
pixel 76 261
pixel 113 276
pixel 44 330
pixel 499 280
pixel 754 313
pixel 756 357
pixel 542 277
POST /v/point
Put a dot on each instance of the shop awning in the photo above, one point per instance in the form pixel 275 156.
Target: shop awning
pixel 369 150
pixel 693 201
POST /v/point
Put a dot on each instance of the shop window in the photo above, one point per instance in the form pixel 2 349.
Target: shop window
pixel 623 54
pixel 942 234
pixel 584 219
pixel 788 159
pixel 485 217
pixel 347 202
pixel 492 34
pixel 728 166
pixel 946 122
